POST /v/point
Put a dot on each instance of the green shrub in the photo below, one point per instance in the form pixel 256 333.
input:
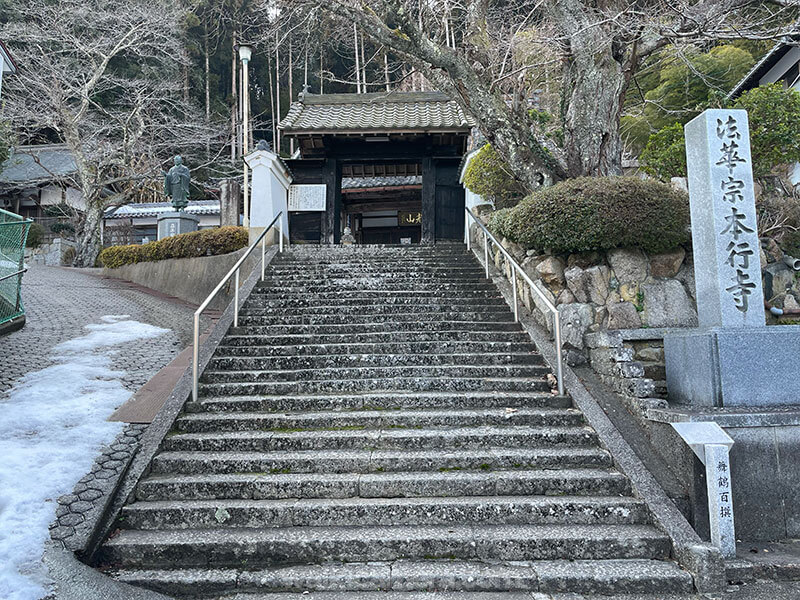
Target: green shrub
pixel 488 176
pixel 208 242
pixel 35 236
pixel 61 227
pixel 664 156
pixel 773 113
pixel 599 213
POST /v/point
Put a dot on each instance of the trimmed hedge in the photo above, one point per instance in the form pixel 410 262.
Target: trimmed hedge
pixel 598 213
pixel 207 242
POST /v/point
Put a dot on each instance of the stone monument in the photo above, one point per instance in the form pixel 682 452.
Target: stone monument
pixel 176 188
pixel 732 358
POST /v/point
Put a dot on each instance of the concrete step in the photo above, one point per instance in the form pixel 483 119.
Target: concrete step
pixel 355 279
pixel 260 486
pixel 325 304
pixel 385 439
pixel 377 309
pixel 356 330
pixel 378 461
pixel 324 287
pixel 276 546
pixel 323 512
pixel 357 373
pixel 351 360
pixel 378 419
pixel 270 296
pixel 447 595
pixel 242 337
pixel 402 576
pixel 393 384
pixel 380 401
pixel 389 317
pixel 387 348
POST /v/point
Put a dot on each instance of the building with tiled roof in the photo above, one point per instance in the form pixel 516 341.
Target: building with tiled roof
pixel 388 163
pixel 137 223
pixel 426 112
pixel 36 177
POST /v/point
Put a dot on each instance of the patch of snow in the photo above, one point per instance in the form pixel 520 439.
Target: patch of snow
pixel 53 424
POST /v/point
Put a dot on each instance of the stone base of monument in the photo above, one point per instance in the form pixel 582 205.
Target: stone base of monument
pixel 175 223
pixel 732 366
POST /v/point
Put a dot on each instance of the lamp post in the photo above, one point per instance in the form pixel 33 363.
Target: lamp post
pixel 245 52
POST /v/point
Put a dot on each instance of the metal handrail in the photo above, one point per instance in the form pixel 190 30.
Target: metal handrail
pixel 4 277
pixel 487 237
pixel 234 272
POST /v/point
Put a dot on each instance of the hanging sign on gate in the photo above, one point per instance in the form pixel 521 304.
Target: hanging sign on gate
pixel 307 197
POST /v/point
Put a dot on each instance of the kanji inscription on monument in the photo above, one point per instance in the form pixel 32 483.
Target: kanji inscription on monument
pixel 307 197
pixel 724 230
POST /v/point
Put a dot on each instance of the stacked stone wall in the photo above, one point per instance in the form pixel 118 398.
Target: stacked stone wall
pixel 610 301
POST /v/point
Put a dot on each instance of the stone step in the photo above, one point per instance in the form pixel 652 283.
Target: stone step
pixel 323 512
pixel 358 306
pixel 384 439
pixel 446 595
pixel 241 337
pixel 355 330
pixel 358 279
pixel 404 577
pixel 276 546
pixel 467 269
pixel 378 419
pixel 452 288
pixel 276 295
pixel 327 361
pixel 383 301
pixel 378 461
pixel 380 349
pixel 441 310
pixel 260 486
pixel 382 401
pixel 387 317
pixel 393 384
pixel 357 373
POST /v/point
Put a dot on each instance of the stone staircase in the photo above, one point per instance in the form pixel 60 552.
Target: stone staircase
pixel 378 423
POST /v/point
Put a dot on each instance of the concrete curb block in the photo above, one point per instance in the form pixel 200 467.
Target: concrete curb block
pixel 77 581
pixel 162 424
pixel 700 558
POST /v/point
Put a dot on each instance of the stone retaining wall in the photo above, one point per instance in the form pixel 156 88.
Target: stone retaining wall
pixel 190 279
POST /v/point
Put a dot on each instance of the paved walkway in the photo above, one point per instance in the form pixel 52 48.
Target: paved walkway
pixel 60 302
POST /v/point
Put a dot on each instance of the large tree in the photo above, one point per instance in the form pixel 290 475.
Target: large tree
pixel 586 50
pixel 104 77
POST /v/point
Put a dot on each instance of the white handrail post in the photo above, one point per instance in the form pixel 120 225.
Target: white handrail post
pixel 263 256
pixel 486 253
pixel 196 355
pixel 280 235
pixel 468 236
pixel 514 293
pixel 236 299
pixel 559 358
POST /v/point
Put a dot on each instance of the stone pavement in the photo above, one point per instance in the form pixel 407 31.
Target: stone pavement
pixel 59 303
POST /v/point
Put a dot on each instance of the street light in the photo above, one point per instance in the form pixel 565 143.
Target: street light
pixel 245 52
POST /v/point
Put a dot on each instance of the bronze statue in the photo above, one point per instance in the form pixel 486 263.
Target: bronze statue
pixel 176 184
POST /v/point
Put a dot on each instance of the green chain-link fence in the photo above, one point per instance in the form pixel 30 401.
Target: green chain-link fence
pixel 13 233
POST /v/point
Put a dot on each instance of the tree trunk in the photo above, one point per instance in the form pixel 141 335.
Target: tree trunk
pixel 207 75
pixel 234 98
pixel 89 243
pixel 593 92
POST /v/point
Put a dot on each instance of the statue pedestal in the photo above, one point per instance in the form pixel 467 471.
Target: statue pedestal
pixel 175 223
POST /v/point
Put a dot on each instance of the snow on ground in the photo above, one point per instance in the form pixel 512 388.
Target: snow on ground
pixel 52 427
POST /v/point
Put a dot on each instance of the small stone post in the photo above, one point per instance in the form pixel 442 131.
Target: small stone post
pixel 229 195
